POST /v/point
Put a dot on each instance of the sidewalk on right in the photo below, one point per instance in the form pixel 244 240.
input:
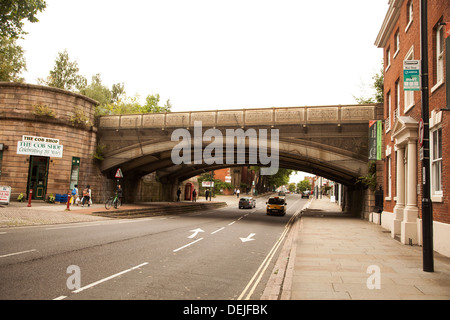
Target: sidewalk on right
pixel 338 256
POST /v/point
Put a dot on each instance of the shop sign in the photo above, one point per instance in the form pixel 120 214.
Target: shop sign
pixel 5 194
pixel 40 146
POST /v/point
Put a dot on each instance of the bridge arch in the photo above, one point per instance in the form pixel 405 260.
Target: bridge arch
pixel 329 141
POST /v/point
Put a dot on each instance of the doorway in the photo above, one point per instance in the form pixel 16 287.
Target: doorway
pixel 188 188
pixel 37 177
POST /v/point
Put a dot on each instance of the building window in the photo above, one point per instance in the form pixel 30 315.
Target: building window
pixel 387 122
pixel 409 95
pixel 409 15
pixel 396 43
pixel 388 58
pixel 397 100
pixel 439 54
pixel 389 179
pixel 436 161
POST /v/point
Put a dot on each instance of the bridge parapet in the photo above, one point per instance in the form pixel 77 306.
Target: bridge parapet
pixel 340 114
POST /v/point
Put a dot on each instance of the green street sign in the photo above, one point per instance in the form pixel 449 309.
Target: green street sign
pixel 411 75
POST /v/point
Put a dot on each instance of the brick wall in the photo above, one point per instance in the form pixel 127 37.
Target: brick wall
pixel 410 42
pixel 17 104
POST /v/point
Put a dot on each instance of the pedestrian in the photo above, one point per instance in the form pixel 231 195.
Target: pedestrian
pixel 178 194
pixel 119 192
pixel 74 198
pixel 194 196
pixel 237 192
pixel 207 194
pixel 86 196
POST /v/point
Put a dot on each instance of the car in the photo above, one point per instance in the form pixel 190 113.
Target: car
pixel 281 193
pixel 276 205
pixel 247 202
pixel 305 194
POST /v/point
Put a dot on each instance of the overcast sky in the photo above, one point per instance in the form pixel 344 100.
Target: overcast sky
pixel 210 54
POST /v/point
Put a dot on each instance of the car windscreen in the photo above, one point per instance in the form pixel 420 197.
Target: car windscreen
pixel 276 201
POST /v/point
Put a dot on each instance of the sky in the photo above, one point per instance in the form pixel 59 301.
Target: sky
pixel 216 54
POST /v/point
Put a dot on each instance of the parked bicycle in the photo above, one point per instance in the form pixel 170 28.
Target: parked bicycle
pixel 113 201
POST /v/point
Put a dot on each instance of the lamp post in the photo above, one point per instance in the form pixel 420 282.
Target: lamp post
pixel 427 211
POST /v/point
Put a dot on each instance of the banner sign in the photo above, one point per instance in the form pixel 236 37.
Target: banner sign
pixel 5 194
pixel 375 139
pixel 40 146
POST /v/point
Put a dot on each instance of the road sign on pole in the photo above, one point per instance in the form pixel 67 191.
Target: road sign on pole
pixel 118 174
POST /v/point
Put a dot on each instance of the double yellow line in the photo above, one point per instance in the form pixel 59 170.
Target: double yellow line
pixel 254 281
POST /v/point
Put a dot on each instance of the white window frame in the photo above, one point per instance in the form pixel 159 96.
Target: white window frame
pixel 409 14
pixel 388 123
pixel 436 164
pixel 389 180
pixel 388 58
pixel 409 95
pixel 397 43
pixel 439 50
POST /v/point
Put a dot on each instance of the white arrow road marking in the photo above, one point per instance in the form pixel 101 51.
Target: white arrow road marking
pixel 248 238
pixel 195 232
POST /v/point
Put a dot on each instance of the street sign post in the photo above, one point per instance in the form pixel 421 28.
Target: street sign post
pixel 411 75
pixel 119 174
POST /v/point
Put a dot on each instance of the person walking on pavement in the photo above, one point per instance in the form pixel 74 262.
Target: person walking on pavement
pixel 178 194
pixel 86 196
pixel 237 192
pixel 207 194
pixel 194 196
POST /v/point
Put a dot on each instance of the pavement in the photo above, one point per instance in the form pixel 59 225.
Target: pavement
pixel 334 256
pixel 327 255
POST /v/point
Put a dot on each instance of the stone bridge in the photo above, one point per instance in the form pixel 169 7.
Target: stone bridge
pixel 329 141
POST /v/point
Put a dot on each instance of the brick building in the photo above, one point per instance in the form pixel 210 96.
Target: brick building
pixel 47 139
pixel 399 37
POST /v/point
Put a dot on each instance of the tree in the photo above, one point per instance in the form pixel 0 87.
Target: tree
pixel 378 86
pixel 65 74
pixel 303 185
pixel 280 178
pixel 12 61
pixel 13 12
pixel 152 105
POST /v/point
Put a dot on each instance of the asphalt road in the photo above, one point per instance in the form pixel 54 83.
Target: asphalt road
pixel 224 254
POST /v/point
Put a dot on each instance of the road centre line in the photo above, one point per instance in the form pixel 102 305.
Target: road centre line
pixel 218 230
pixel 187 245
pixel 16 253
pixel 262 268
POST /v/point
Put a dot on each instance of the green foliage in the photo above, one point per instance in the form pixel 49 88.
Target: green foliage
pixel 370 179
pixel 378 86
pixel 65 74
pixel 303 185
pixel 280 178
pixel 13 12
pixel 79 118
pixel 98 154
pixel 12 60
pixel 43 110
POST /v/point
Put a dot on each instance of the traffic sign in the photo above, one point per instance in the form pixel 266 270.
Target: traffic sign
pixel 119 174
